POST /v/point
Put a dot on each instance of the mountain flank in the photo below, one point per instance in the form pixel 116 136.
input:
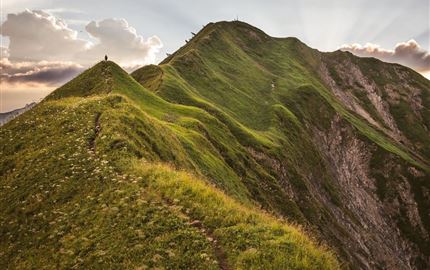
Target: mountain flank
pixel 238 151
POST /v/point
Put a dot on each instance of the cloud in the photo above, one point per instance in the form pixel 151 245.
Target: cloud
pixel 63 11
pixel 44 51
pixel 34 74
pixel 409 53
pixel 122 43
pixel 37 35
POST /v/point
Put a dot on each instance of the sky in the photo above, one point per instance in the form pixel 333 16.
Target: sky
pixel 45 43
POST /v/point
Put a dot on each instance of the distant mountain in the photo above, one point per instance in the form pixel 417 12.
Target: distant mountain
pixel 215 158
pixel 7 116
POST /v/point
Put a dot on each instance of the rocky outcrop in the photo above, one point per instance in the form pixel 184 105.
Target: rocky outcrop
pixel 370 222
pixel 375 185
pixel 348 78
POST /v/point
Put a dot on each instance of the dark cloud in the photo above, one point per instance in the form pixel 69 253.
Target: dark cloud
pixel 409 53
pixel 33 73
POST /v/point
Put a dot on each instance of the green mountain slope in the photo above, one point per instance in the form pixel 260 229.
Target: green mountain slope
pixel 198 162
pixel 83 187
pixel 344 138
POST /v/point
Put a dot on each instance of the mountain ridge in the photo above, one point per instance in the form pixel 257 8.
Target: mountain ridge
pixel 352 109
pixel 155 190
pixel 270 122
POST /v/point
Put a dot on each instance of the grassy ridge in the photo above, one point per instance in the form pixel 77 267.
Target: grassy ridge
pixel 261 241
pixel 269 94
pixel 66 204
pixel 171 166
pixel 204 74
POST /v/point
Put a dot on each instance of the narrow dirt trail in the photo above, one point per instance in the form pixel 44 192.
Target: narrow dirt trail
pixel 219 252
pixel 108 80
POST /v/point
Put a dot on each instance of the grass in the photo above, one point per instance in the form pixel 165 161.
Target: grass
pixel 260 241
pixel 149 76
pixel 66 206
pixel 147 170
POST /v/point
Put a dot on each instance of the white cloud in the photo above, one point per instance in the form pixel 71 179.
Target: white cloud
pixel 63 11
pixel 409 53
pixel 37 35
pixel 44 50
pixel 122 43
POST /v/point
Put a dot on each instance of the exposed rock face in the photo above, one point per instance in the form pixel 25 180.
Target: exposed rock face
pixel 367 222
pixel 379 198
pixel 379 205
pixel 347 98
pixel 348 159
pixel 352 77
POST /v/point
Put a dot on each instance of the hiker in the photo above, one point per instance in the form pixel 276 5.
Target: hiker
pixel 106 58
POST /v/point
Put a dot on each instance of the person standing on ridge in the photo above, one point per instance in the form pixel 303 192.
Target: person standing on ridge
pixel 106 58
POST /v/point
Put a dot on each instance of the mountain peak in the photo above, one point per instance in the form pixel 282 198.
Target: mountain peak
pixel 220 31
pixel 238 25
pixel 99 79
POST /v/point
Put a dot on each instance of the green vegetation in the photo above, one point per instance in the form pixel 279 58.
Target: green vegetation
pixel 260 241
pixel 104 209
pixel 209 160
pixel 150 77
